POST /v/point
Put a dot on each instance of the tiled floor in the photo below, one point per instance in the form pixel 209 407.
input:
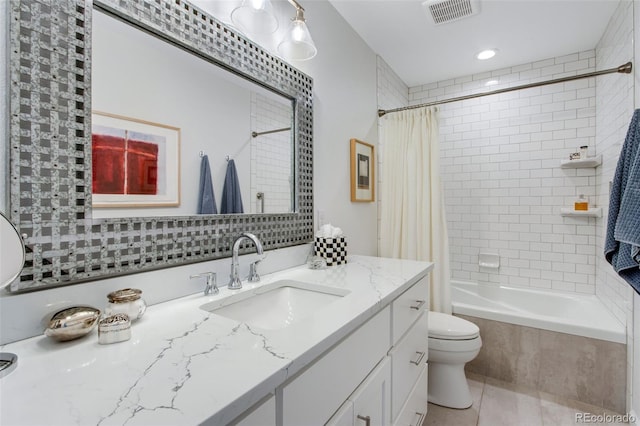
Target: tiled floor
pixel 497 403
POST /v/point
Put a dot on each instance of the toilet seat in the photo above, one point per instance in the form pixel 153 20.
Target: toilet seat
pixel 448 327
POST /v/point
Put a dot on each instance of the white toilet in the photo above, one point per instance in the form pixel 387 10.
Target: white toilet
pixel 452 343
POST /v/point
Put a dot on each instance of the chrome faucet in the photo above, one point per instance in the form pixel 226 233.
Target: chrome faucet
pixel 234 282
pixel 211 283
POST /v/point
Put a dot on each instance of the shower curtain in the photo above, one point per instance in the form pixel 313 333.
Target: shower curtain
pixel 413 223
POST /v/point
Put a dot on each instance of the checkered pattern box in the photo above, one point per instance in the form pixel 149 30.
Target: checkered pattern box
pixel 333 250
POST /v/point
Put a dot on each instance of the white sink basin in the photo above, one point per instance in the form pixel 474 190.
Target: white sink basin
pixel 276 305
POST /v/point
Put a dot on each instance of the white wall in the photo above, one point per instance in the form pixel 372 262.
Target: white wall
pixel 344 107
pixel 344 73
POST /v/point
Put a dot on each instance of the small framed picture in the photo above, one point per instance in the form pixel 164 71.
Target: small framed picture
pixel 135 163
pixel 362 171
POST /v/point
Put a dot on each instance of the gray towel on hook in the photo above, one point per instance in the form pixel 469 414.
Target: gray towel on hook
pixel 206 197
pixel 231 197
pixel 622 242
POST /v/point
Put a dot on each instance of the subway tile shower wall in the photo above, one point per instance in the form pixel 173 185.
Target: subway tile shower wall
pixel 271 159
pixel 614 106
pixel 504 188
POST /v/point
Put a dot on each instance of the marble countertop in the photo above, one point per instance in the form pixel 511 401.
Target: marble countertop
pixel 184 365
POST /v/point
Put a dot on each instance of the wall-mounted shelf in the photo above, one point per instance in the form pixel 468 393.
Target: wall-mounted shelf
pixel 592 212
pixel 581 163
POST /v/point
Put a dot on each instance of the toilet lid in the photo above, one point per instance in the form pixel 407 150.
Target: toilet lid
pixel 448 327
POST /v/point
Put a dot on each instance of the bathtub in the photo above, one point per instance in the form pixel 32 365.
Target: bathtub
pixel 580 315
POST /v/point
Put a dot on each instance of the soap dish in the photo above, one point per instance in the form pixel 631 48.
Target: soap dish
pixel 489 260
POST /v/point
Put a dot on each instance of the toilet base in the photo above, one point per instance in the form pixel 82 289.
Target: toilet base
pixel 448 386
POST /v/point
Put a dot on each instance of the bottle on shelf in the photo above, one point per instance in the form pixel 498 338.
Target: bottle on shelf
pixel 581 204
pixel 584 152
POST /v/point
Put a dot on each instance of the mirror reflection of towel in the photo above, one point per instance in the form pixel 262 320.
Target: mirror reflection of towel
pixel 206 197
pixel 231 197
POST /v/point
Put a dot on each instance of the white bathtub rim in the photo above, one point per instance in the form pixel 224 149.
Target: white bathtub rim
pixel 613 332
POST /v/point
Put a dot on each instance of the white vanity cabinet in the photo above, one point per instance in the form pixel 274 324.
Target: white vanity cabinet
pixel 370 404
pixel 415 409
pixel 375 376
pixel 407 308
pixel 313 396
pixel 409 353
pixel 408 361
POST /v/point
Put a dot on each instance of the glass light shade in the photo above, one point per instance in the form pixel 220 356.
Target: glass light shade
pixel 297 44
pixel 255 17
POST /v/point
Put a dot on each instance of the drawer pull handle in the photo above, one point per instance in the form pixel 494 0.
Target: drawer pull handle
pixel 367 419
pixel 422 354
pixel 418 306
pixel 421 417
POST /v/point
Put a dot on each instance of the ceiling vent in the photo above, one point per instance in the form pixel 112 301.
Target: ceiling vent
pixel 444 11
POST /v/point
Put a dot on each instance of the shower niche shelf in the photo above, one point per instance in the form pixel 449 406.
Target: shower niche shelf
pixel 592 212
pixel 585 163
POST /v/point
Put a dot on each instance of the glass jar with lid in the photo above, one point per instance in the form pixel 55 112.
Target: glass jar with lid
pixel 126 301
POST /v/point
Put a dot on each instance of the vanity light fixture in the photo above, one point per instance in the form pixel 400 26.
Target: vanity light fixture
pixel 297 44
pixel 486 54
pixel 255 17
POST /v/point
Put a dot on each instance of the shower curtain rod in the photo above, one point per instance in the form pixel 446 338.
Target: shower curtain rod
pixel 256 134
pixel 625 69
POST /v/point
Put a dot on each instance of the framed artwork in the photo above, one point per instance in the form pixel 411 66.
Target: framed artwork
pixel 362 171
pixel 135 163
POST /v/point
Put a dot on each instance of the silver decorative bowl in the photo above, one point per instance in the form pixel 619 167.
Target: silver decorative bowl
pixel 72 323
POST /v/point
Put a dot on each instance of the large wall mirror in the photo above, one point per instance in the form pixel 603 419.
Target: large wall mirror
pixel 102 90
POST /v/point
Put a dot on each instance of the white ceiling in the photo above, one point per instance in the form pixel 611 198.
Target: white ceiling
pixel 523 31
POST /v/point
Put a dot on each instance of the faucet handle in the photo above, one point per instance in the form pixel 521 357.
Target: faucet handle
pixel 211 283
pixel 253 272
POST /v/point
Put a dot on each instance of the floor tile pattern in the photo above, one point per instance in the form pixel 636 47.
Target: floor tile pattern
pixel 498 403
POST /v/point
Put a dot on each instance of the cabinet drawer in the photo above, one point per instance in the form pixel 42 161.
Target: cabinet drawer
pixel 407 360
pixel 316 393
pixel 370 402
pixel 415 410
pixel 408 306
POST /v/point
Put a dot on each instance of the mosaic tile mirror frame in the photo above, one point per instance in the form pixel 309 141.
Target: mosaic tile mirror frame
pixel 50 145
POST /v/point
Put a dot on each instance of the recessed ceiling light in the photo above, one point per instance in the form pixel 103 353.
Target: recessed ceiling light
pixel 491 83
pixel 486 54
